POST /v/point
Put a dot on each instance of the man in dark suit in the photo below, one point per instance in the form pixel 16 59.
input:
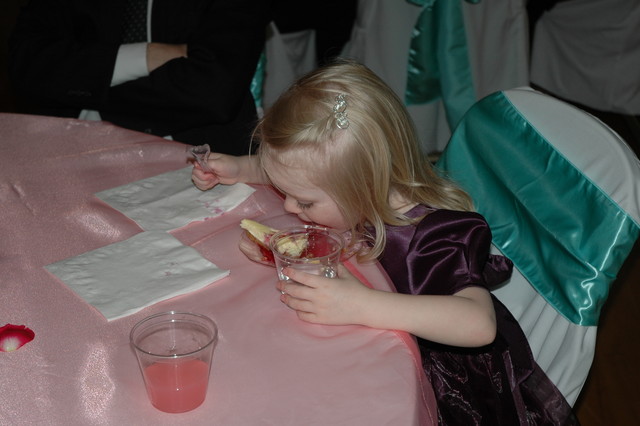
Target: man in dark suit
pixel 187 76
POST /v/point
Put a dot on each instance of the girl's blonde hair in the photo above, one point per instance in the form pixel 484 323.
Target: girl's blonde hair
pixel 361 165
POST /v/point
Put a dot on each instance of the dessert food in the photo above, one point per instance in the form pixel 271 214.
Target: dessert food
pixel 292 246
pixel 259 233
pixel 305 243
pixel 301 241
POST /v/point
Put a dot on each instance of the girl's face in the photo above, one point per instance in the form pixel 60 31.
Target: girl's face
pixel 306 200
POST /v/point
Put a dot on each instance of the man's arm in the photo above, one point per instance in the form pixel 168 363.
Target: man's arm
pixel 211 83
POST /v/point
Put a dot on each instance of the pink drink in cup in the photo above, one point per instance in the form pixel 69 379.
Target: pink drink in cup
pixel 174 351
pixel 178 386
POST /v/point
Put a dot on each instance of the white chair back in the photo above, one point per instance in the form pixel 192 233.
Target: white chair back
pixel 497 51
pixel 561 192
pixel 288 57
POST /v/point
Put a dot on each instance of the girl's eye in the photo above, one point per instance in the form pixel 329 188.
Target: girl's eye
pixel 304 206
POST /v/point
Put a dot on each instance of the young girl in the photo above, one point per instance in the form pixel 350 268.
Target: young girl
pixel 340 147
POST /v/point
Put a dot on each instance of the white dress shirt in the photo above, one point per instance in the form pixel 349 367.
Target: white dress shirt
pixel 131 63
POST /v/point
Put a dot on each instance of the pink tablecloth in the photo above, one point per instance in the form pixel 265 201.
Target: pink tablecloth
pixel 269 367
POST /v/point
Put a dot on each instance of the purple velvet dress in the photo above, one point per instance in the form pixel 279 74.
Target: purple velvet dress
pixel 498 384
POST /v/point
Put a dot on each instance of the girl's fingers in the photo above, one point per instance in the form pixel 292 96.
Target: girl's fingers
pixel 299 305
pixel 307 316
pixel 294 289
pixel 203 180
pixel 304 278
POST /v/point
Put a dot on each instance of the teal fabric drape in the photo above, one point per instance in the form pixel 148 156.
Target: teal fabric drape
pixel 565 235
pixel 257 83
pixel 438 65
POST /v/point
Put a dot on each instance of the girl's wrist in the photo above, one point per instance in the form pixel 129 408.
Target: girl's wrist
pixel 384 310
pixel 250 170
pixel 365 309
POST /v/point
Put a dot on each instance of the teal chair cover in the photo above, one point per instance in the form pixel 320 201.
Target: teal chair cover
pixel 438 64
pixel 561 193
pixel 257 83
pixel 441 56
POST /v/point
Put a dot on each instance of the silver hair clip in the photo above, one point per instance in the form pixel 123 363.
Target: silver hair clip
pixel 339 112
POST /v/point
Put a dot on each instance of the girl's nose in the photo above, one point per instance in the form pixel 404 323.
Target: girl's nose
pixel 291 205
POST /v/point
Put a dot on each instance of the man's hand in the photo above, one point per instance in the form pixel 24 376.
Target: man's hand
pixel 159 54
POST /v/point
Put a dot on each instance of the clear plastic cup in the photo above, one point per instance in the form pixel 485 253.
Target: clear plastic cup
pixel 320 256
pixel 174 351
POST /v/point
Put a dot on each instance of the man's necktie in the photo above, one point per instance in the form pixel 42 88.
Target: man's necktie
pixel 134 21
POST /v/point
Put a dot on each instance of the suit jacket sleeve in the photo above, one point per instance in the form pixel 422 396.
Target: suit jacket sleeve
pixel 62 53
pixel 225 39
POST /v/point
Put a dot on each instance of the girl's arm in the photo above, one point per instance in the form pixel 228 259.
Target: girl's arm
pixel 227 170
pixel 465 319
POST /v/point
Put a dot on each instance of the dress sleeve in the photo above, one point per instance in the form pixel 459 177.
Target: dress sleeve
pixel 450 251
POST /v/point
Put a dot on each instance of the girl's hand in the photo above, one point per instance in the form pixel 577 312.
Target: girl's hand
pixel 465 319
pixel 316 299
pixel 226 170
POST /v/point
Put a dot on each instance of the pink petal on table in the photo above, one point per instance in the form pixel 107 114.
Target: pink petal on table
pixel 13 337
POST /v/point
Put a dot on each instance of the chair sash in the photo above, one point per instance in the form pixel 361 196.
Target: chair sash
pixel 570 241
pixel 439 60
pixel 257 83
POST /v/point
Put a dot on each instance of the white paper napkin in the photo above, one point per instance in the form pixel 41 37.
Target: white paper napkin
pixel 125 277
pixel 170 200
